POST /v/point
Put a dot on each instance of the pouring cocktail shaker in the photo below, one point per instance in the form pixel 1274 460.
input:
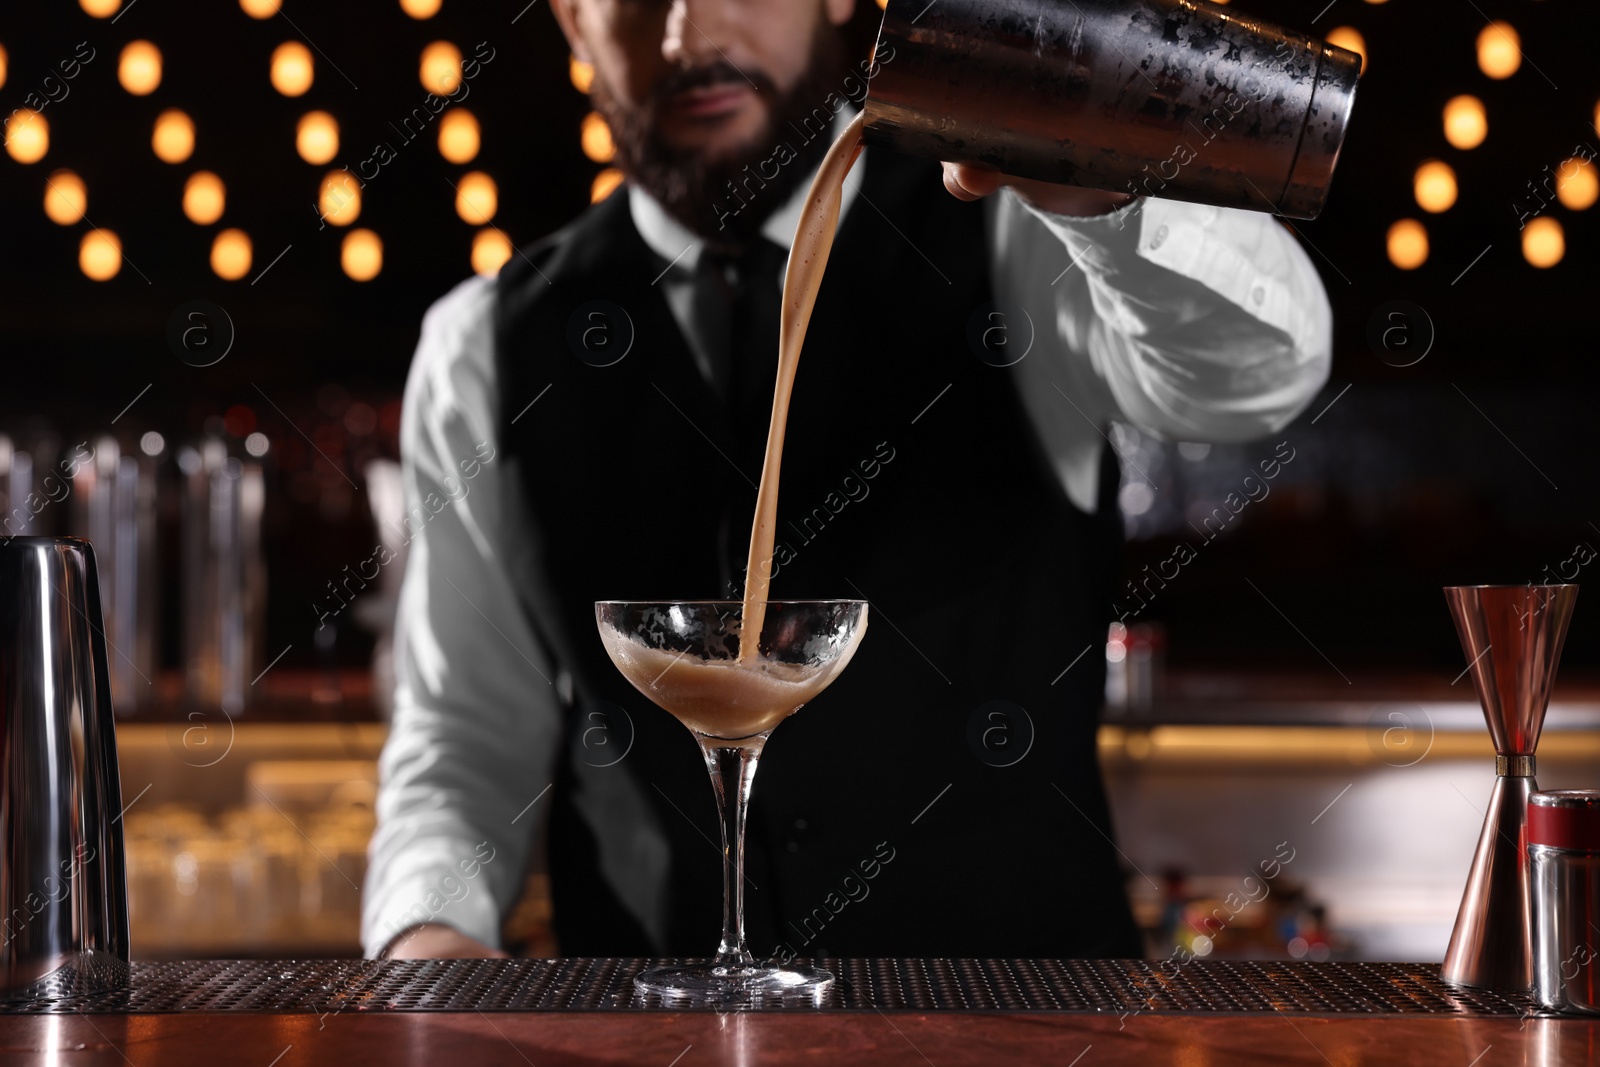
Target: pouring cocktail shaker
pixel 63 887
pixel 1176 99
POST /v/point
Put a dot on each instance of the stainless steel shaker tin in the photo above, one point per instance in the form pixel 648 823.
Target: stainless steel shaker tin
pixel 63 885
pixel 1166 98
pixel 1564 882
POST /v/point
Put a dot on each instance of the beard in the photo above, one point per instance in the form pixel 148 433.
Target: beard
pixel 694 189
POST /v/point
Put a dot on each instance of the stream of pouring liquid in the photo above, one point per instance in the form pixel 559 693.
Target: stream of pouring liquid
pixel 808 257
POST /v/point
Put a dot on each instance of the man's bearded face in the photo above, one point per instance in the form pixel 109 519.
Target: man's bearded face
pixel 690 118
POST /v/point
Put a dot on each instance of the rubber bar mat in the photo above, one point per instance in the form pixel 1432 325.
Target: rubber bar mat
pixel 909 985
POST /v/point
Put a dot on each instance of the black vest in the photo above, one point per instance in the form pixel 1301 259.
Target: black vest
pixel 911 810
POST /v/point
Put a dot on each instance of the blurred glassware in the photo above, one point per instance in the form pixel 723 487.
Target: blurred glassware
pixel 114 507
pixel 224 575
pixel 377 610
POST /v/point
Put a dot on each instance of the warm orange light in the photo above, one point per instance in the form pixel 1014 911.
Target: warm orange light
pixel 1543 243
pixel 458 135
pixel 490 250
pixel 316 138
pixel 581 73
pixel 204 198
pixel 420 9
pixel 340 198
pixel 100 9
pixel 139 69
pixel 1576 184
pixel 1465 122
pixel 230 255
pixel 173 139
pixel 361 255
pixel 260 9
pixel 65 198
pixel 1499 50
pixel 27 135
pixel 4 65
pixel 291 68
pixel 1349 37
pixel 885 3
pixel 441 68
pixel 1435 186
pixel 100 255
pixel 603 183
pixel 1408 244
pixel 477 198
pixel 596 138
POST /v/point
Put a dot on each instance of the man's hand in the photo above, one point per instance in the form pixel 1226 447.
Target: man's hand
pixel 436 941
pixel 968 182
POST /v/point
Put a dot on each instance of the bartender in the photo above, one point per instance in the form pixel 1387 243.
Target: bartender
pixel 590 425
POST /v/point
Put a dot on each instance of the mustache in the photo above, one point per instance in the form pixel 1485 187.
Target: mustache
pixel 709 76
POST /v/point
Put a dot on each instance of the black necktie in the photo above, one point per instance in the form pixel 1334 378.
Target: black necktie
pixel 738 301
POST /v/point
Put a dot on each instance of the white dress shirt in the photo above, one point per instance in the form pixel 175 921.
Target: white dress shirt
pixel 1195 323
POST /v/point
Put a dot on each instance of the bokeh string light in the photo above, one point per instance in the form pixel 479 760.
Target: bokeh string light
pixel 458 135
pixel 27 135
pixel 361 255
pixel 1499 50
pixel 316 137
pixel 291 70
pixel 65 198
pixel 231 254
pixel 440 69
pixel 603 183
pixel 1543 242
pixel 477 198
pixel 1577 184
pixel 204 198
pixel 339 198
pixel 490 250
pixel 139 68
pixel 100 255
pixel 1408 244
pixel 173 138
pixel 1466 123
pixel 1435 186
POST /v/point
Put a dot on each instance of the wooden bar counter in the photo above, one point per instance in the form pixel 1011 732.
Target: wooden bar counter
pixel 944 1013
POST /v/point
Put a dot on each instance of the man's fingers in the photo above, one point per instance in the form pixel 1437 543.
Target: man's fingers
pixel 970 183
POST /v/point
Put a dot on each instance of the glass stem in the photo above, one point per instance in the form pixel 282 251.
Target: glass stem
pixel 733 768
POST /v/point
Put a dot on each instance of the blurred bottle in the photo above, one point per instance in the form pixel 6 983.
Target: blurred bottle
pixel 114 507
pixel 224 575
pixel 1136 659
pixel 17 517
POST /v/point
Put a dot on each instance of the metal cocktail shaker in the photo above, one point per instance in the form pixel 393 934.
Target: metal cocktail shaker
pixel 63 887
pixel 1166 98
pixel 1564 880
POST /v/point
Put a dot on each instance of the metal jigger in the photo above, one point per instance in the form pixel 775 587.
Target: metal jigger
pixel 1512 636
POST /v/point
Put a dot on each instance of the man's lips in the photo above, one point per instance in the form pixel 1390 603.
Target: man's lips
pixel 712 101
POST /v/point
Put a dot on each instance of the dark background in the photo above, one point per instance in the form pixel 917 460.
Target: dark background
pixel 1474 465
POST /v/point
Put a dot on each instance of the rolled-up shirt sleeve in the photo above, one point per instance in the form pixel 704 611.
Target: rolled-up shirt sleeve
pixel 476 716
pixel 1195 323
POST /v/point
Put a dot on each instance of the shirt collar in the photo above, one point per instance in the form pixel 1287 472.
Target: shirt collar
pixel 680 246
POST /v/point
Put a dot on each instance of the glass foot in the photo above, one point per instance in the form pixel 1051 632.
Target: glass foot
pixel 708 983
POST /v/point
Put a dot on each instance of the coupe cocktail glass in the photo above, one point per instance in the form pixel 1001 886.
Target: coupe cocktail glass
pixel 686 657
